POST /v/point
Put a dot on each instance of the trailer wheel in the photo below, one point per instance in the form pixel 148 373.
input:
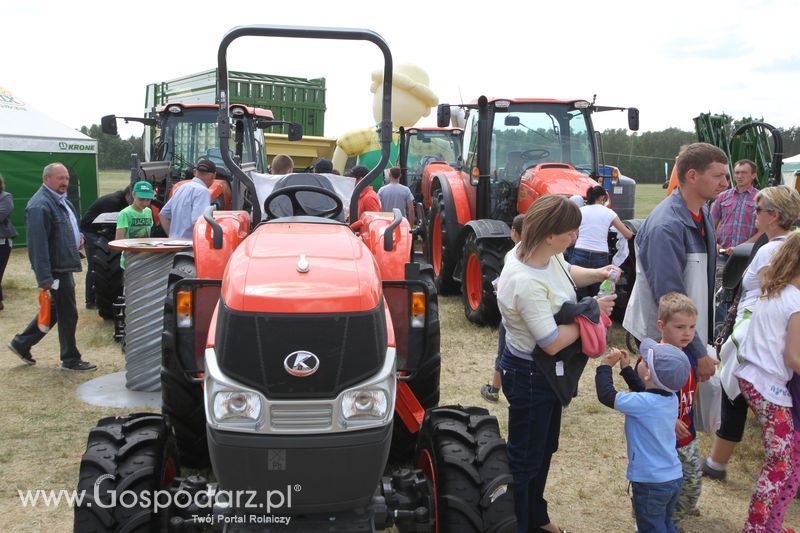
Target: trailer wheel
pixel 483 262
pixel 132 456
pixel 108 277
pixel 438 253
pixel 425 383
pixel 181 400
pixel 462 454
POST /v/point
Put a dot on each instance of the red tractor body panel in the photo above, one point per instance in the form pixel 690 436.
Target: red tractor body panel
pixel 392 263
pixel 264 273
pixel 551 178
pixel 437 167
pixel 211 263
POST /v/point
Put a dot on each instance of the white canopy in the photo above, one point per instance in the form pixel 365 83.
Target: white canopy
pixel 23 129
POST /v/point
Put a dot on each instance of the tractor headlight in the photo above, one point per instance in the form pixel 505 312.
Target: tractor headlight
pixel 365 403
pixel 237 406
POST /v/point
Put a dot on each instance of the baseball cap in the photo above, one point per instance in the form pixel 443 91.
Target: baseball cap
pixel 359 171
pixel 206 165
pixel 668 365
pixel 323 165
pixel 143 189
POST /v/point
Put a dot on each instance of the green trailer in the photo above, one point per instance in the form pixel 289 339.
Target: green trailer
pixel 29 141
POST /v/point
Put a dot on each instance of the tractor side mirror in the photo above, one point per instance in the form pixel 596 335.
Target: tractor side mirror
pixel 511 121
pixel 443 115
pixel 295 131
pixel 108 124
pixel 633 119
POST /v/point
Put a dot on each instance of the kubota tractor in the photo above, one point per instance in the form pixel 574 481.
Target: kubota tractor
pixel 421 147
pixel 514 151
pixel 299 354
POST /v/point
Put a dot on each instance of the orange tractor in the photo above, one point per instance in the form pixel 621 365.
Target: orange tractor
pixel 300 353
pixel 514 151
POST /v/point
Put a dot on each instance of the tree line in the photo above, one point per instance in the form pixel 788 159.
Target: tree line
pixel 643 156
pixel 639 155
pixel 113 152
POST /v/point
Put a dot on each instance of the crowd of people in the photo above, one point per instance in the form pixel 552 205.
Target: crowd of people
pixel 552 321
pixel 544 338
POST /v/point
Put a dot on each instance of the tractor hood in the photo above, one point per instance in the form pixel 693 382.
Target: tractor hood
pixel 302 267
pixel 557 178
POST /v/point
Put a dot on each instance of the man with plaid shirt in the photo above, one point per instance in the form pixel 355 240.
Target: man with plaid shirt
pixel 734 214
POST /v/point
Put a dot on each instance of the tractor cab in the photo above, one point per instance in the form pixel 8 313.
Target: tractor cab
pixel 422 147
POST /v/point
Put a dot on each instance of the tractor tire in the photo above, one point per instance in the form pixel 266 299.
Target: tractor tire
pixel 133 453
pixel 462 453
pixel 182 400
pixel 482 262
pixel 437 251
pixel 425 383
pixel 108 277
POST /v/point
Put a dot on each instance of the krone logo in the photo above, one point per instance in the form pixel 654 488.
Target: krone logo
pixel 301 363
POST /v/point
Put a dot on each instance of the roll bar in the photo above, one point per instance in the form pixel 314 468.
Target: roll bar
pixel 303 32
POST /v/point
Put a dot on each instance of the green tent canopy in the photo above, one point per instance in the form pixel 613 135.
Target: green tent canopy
pixel 30 140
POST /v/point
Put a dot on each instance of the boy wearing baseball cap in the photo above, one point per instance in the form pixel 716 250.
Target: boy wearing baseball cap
pixel 654 468
pixel 136 220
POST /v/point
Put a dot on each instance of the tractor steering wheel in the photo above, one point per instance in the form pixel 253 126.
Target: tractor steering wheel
pixel 297 208
pixel 534 154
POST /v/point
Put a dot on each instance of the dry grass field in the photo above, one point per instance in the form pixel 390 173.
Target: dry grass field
pixel 44 425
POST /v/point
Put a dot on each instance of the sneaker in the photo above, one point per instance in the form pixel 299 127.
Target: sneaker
pixel 24 354
pixel 79 366
pixel 490 393
pixel 713 473
pixel 91 305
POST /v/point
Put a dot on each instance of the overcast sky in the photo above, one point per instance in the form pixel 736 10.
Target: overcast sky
pixel 77 61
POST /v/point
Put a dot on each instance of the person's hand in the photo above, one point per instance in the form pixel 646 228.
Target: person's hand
pixel 624 359
pixel 706 366
pixel 611 357
pixel 681 430
pixel 729 251
pixel 83 241
pixel 606 303
pixel 607 272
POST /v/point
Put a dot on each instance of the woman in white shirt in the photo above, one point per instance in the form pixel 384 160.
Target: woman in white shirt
pixel 777 209
pixel 771 352
pixel 530 291
pixel 591 248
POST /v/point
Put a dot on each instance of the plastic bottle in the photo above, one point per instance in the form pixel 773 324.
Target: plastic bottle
pixel 608 287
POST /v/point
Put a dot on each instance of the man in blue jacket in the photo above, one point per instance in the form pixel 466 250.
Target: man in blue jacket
pixel 53 243
pixel 676 251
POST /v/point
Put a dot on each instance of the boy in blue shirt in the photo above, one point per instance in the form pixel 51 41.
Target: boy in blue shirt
pixel 654 469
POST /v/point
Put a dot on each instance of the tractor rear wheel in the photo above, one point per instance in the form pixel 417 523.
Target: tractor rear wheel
pixel 482 262
pixel 462 454
pixel 108 277
pixel 125 456
pixel 182 400
pixel 425 383
pixel 438 252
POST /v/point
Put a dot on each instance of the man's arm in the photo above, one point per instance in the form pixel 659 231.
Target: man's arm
pixel 410 211
pixel 38 227
pixel 165 216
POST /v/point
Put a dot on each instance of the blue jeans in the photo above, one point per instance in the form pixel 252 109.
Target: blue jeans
pixel 588 259
pixel 534 425
pixel 653 505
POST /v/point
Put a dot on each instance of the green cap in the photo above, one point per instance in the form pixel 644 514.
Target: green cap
pixel 143 189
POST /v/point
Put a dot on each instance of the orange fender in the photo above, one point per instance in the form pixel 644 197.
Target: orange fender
pixel 211 263
pixel 462 192
pixel 392 264
pixel 551 178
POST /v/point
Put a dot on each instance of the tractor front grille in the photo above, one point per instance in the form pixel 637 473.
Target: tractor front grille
pixel 252 349
pixel 298 418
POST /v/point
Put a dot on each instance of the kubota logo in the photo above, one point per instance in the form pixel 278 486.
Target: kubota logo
pixel 301 363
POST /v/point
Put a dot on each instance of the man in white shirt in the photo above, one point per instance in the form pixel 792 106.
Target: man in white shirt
pixel 188 203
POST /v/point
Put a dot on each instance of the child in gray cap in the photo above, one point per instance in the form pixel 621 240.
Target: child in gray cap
pixel 654 469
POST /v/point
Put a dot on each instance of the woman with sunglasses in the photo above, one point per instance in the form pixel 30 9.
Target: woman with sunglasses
pixel 777 209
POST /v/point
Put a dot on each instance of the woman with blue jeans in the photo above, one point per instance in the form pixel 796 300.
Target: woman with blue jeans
pixel 591 248
pixel 540 360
